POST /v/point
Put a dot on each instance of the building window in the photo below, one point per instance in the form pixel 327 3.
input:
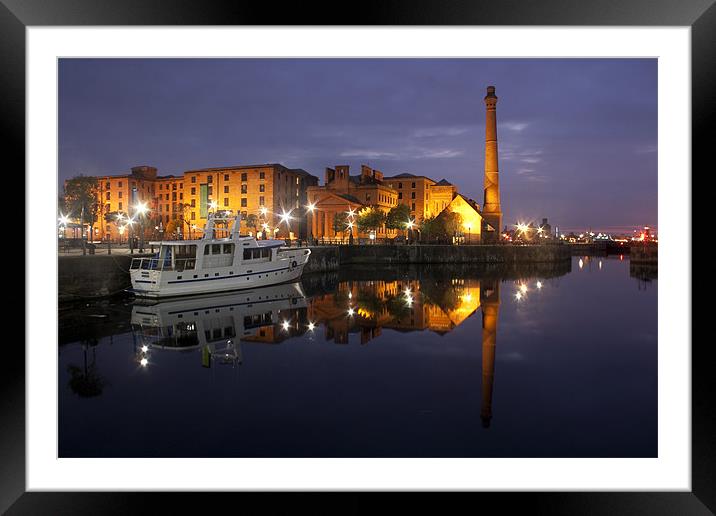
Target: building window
pixel 193 203
pixel 209 190
pixel 400 195
pixel 161 186
pixel 226 201
pixel 193 179
pixel 243 202
pixel 413 207
pixel 181 196
pixel 107 196
pixel 412 195
pixel 193 190
pixel 262 175
pixel 400 185
pixel 226 189
pixel 160 207
pixel 413 186
pixel 209 179
pixel 193 215
pixel 174 186
pixel 181 186
pixel 167 209
pixel 119 184
pixel 243 176
pixel 120 205
pixel 107 185
pixel 226 177
pixel 261 200
pixel 244 189
pixel 174 196
pixel 262 188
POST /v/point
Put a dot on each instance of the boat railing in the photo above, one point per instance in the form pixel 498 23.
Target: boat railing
pixel 159 264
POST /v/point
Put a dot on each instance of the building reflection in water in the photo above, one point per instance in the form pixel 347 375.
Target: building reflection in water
pixel 216 326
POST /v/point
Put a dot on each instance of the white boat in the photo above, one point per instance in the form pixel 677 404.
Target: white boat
pixel 212 264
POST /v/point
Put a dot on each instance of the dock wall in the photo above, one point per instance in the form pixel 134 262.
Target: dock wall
pixel 98 276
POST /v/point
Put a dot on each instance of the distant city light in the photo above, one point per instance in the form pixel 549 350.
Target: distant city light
pixel 145 348
pixel 285 325
pixel 518 295
pixel 143 362
pixel 311 206
pixel 539 284
pixel 263 210
pixel 311 326
pixel 350 311
pixel 581 263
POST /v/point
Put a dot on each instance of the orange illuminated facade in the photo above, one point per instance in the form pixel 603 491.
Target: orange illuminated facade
pixel 425 197
pixel 182 203
pixel 342 192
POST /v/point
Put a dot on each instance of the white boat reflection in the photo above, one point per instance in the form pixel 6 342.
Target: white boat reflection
pixel 217 324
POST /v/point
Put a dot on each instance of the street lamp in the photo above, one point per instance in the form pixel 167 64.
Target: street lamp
pixel 310 208
pixel 469 235
pixel 141 209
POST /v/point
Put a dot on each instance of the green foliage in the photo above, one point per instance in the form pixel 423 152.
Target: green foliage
pixel 452 223
pixel 252 221
pixel 370 219
pixel 340 222
pixel 397 217
pixel 441 228
pixel 82 198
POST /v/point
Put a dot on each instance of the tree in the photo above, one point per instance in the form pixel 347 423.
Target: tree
pixel 172 226
pixel 340 223
pixel 82 199
pixel 370 219
pixel 452 222
pixel 252 221
pixel 397 217
pixel 431 228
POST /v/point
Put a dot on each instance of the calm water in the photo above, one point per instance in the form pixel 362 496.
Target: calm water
pixel 415 362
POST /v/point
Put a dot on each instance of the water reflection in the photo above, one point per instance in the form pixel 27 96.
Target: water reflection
pixel 215 326
pixel 367 362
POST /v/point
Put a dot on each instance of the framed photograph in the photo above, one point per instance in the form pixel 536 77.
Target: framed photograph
pixel 418 253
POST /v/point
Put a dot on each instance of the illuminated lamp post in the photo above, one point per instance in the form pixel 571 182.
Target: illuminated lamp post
pixel 309 232
pixel 141 209
pixel 469 234
pixel 409 227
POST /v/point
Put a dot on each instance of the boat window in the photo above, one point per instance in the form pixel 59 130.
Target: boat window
pixel 228 248
pixel 215 248
pixel 206 250
pixel 257 253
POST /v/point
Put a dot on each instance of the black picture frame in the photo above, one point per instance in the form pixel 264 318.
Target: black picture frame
pixel 700 15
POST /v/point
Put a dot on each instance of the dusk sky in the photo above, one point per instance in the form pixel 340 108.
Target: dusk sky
pixel 577 137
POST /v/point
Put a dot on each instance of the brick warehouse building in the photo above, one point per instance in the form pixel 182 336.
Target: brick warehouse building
pixel 186 199
pixel 342 192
